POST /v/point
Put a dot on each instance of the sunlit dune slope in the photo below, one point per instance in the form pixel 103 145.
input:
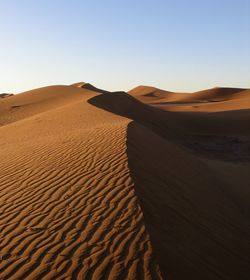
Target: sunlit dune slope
pixel 37 101
pixel 68 204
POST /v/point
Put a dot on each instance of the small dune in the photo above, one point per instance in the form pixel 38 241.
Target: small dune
pixel 153 95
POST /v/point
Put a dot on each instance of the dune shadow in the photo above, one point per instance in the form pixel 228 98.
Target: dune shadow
pixel 191 233
pixel 123 104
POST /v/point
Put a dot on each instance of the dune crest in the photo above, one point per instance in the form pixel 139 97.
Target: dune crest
pixel 89 87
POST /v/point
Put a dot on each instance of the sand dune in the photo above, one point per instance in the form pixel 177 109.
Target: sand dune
pixel 210 100
pixel 68 205
pixel 218 99
pixel 153 95
pixel 99 185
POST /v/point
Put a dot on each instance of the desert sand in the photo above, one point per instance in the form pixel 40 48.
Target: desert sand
pixel 148 184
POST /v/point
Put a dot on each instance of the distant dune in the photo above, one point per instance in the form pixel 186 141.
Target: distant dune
pixel 152 94
pixel 218 94
pixel 226 98
pixel 4 95
pixel 148 184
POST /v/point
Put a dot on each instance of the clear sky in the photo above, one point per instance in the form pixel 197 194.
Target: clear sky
pixel 179 45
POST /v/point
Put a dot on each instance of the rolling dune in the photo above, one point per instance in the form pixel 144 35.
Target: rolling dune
pixel 210 100
pixel 99 185
pixel 154 95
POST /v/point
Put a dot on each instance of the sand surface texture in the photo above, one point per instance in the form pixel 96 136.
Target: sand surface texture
pixel 101 185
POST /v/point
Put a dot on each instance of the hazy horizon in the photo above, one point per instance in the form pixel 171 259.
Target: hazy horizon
pixel 180 46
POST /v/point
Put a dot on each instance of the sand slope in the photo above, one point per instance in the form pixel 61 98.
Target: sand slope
pixel 68 205
pixel 97 185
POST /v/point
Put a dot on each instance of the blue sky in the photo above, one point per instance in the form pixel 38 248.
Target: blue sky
pixel 179 45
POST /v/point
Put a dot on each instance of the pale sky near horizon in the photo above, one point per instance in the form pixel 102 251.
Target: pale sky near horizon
pixel 178 45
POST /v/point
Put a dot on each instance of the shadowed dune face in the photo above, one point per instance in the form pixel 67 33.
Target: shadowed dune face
pixel 198 229
pixel 196 131
pixel 124 105
pixel 231 122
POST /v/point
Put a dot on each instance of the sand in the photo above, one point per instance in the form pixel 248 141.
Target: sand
pixel 101 185
pixel 211 100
